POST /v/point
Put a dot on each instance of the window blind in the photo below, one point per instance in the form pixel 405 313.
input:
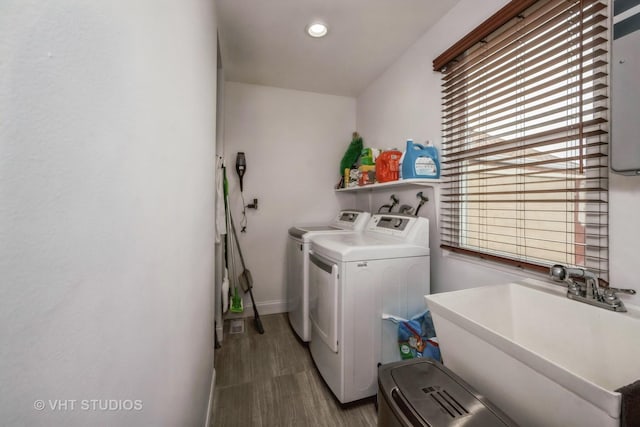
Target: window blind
pixel 525 135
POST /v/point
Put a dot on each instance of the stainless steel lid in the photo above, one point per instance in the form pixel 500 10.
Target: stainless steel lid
pixel 424 392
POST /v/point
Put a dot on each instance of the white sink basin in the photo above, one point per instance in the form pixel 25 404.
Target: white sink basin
pixel 544 359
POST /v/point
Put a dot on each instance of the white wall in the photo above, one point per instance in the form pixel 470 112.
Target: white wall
pixel 293 143
pixel 405 102
pixel 624 232
pixel 107 141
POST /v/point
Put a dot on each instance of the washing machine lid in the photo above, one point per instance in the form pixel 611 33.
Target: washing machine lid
pixel 364 247
pixel 348 220
pixel 301 231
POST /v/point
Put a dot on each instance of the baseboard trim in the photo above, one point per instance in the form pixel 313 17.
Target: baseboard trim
pixel 210 415
pixel 264 308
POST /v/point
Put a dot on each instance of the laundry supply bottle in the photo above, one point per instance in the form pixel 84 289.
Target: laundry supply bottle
pixel 420 161
pixel 402 159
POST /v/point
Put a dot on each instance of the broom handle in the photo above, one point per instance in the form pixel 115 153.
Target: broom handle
pixel 235 236
pixel 231 265
pixel 256 316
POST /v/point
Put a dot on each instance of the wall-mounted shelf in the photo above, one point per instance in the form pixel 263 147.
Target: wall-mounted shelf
pixel 423 182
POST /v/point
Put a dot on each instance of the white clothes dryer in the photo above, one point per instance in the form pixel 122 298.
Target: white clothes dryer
pixel 298 246
pixel 353 280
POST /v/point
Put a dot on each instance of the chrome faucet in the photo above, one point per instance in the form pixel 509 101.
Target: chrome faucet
pixel 589 292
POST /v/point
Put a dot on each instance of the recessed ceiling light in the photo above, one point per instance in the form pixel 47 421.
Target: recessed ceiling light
pixel 317 29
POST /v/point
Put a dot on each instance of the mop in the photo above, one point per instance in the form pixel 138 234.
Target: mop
pixel 236 301
pixel 245 279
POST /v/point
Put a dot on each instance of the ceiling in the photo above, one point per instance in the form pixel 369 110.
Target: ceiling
pixel 264 41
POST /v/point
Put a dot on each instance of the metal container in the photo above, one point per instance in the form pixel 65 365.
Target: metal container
pixel 423 392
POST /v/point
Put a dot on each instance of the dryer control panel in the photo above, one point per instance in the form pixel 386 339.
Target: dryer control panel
pixel 408 228
pixel 352 219
pixel 393 223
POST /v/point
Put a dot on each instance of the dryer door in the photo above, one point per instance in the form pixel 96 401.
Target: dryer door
pixel 323 292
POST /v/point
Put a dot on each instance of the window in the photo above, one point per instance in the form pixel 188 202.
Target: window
pixel 525 135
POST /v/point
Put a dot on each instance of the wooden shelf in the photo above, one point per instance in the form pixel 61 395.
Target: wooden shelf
pixel 422 182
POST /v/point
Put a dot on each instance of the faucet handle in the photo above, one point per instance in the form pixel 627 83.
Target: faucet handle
pixel 611 290
pixel 609 296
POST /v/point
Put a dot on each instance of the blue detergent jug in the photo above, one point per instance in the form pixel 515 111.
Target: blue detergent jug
pixel 420 161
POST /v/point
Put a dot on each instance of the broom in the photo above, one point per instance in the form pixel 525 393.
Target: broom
pixel 236 300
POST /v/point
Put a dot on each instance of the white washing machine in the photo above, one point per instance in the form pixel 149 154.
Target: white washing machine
pixel 298 245
pixel 353 280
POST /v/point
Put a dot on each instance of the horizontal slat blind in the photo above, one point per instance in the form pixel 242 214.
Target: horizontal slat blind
pixel 525 140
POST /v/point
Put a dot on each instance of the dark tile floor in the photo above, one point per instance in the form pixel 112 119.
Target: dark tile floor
pixel 270 380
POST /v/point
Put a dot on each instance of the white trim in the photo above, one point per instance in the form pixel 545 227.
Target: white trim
pixel 210 415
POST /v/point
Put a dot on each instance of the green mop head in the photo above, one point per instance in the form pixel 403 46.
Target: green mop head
pixel 351 155
pixel 236 302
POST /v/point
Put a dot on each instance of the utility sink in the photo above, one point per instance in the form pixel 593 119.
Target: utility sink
pixel 542 358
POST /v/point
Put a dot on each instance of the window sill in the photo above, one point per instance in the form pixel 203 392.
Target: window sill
pixel 498 267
